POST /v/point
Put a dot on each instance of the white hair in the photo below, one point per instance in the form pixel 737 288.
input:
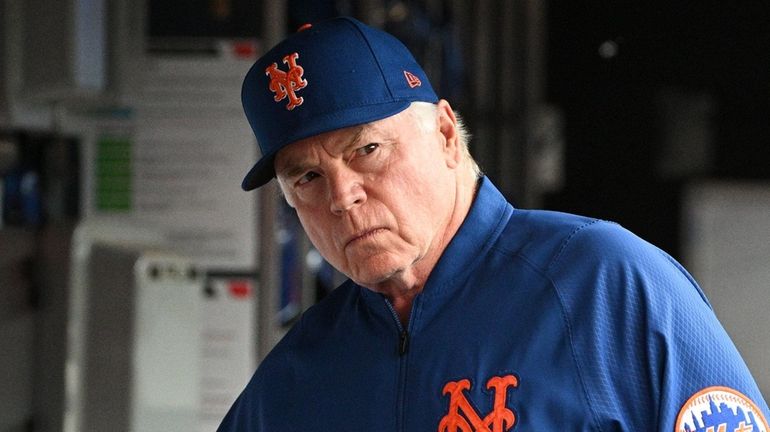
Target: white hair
pixel 424 115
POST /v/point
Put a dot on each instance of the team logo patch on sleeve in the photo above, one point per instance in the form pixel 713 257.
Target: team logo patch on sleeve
pixel 720 409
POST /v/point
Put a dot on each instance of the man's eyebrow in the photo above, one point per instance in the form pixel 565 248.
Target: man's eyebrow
pixel 294 169
pixel 298 165
pixel 357 137
pixel 353 141
pixel 294 166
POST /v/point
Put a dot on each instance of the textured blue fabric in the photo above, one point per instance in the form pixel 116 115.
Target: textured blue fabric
pixel 351 74
pixel 601 331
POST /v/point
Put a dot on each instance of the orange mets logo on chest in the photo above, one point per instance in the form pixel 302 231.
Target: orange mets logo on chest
pixel 462 416
pixel 286 84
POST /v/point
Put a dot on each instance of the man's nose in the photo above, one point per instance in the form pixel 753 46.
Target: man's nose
pixel 346 190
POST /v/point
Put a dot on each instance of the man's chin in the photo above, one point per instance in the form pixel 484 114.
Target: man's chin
pixel 374 279
pixel 383 270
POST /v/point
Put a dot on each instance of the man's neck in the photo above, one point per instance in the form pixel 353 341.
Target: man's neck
pixel 403 288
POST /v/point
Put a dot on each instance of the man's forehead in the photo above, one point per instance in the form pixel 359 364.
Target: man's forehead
pixel 340 137
pixel 298 152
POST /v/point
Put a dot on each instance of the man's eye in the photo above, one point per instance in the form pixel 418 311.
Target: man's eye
pixel 365 150
pixel 309 176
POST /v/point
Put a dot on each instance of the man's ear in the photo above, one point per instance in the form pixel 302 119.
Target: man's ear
pixel 447 126
pixel 281 190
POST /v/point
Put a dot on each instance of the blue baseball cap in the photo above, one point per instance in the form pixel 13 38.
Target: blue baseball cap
pixel 327 76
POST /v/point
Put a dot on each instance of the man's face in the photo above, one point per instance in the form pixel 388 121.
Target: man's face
pixel 375 200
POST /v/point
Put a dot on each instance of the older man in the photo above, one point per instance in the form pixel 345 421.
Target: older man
pixel 461 313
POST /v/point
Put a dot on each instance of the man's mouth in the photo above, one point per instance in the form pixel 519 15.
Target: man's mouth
pixel 363 235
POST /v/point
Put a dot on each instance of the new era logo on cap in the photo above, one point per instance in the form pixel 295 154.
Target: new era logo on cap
pixel 331 75
pixel 412 79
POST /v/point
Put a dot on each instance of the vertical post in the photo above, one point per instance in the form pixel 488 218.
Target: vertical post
pixel 534 77
pixel 509 103
pixel 4 105
pixel 273 23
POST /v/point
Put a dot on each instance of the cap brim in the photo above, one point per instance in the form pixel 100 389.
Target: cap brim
pixel 261 173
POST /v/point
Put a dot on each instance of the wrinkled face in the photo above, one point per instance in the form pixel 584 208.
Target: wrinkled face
pixel 375 200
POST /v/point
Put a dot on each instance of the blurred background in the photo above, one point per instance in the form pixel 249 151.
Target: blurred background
pixel 139 287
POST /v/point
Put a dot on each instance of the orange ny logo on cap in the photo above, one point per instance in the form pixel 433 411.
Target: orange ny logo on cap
pixel 285 84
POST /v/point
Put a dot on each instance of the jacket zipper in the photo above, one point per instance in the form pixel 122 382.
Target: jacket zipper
pixel 403 333
pixel 403 343
pixel 403 349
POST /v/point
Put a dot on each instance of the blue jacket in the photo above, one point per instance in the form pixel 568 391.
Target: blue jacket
pixel 531 321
